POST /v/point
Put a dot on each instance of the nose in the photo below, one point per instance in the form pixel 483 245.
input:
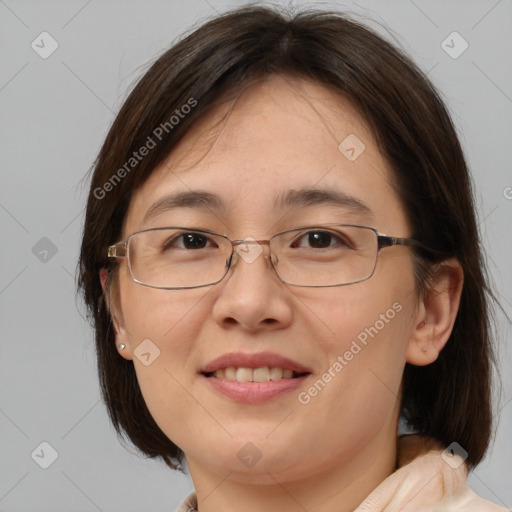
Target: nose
pixel 251 294
pixel 248 250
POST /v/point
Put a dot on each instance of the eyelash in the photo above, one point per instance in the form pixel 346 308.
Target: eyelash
pixel 301 236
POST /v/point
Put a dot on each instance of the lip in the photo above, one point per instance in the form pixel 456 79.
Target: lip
pixel 259 360
pixel 254 392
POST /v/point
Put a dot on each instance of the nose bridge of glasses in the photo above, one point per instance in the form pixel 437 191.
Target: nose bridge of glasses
pixel 250 241
pixel 247 254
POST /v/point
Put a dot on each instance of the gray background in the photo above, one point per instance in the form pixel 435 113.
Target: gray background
pixel 55 112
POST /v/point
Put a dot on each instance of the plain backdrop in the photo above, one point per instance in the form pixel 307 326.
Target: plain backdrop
pixel 54 114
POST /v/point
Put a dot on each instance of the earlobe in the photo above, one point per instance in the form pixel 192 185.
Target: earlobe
pixel 436 314
pixel 120 335
pixel 425 346
pixel 121 340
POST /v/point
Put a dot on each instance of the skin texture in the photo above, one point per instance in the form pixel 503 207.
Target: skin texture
pixel 330 453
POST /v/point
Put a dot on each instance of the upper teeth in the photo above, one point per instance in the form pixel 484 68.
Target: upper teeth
pixel 262 374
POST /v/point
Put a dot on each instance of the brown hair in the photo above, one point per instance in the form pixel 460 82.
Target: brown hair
pixel 450 399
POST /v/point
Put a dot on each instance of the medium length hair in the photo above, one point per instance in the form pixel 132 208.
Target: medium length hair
pixel 450 399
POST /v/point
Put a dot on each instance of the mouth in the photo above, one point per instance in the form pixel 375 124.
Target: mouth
pixel 254 378
pixel 261 374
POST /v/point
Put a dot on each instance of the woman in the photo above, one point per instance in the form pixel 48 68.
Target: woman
pixel 281 259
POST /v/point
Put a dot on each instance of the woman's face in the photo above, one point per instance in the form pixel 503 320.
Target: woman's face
pixel 351 340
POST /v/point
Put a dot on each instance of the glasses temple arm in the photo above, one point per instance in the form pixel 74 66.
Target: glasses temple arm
pixel 388 241
pixel 117 251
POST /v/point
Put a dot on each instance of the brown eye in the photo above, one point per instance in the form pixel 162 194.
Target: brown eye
pixel 187 241
pixel 319 240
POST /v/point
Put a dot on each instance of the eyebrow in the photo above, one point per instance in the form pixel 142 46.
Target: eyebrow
pixel 307 197
pixel 291 199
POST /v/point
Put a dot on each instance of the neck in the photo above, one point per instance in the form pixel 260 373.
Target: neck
pixel 340 487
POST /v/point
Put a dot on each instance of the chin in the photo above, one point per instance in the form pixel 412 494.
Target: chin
pixel 252 456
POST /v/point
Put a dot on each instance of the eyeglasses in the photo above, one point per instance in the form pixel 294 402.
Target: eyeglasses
pixel 312 256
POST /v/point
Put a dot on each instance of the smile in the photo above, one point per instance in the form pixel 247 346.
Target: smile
pixel 263 374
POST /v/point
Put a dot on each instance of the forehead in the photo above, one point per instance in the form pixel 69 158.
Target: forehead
pixel 279 135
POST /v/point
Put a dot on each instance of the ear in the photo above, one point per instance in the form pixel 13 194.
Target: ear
pixel 436 314
pixel 121 335
pixel 103 278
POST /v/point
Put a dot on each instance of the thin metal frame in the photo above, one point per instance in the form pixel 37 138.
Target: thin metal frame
pixel 119 250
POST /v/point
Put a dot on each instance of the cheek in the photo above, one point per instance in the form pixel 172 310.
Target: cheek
pixel 363 319
pixel 358 392
pixel 169 318
pixel 368 326
pixel 162 327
